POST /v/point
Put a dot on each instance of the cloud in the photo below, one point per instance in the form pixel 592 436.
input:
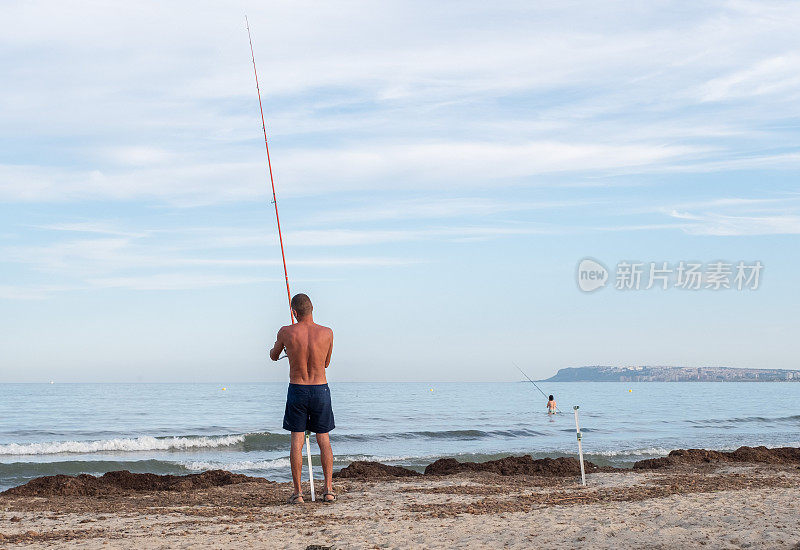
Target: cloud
pixel 157 259
pixel 444 165
pixel 451 165
pixel 439 208
pixel 188 184
pixel 326 236
pixel 32 292
pixel 349 237
pixel 722 225
pixel 174 281
pixel 765 162
pixel 767 77
pixel 359 97
pixel 105 255
pixel 139 155
pixel 157 281
pixel 101 228
pixel 368 107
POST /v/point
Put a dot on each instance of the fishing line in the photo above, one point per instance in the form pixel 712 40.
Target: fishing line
pixel 534 383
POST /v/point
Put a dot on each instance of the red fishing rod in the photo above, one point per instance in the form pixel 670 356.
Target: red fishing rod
pixel 269 164
pixel 280 237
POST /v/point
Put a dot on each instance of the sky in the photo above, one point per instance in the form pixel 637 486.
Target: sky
pixel 441 170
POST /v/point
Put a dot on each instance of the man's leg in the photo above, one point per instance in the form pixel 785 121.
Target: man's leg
pixel 296 458
pixel 326 456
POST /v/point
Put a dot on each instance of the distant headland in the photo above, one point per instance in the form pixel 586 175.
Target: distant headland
pixel 673 374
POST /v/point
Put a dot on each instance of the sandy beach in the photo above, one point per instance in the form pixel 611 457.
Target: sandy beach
pixel 683 503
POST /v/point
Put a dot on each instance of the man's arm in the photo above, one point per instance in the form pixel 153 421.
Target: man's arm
pixel 330 351
pixel 276 350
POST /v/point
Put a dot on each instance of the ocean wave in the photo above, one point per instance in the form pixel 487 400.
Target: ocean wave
pixel 745 419
pixel 238 466
pixel 258 441
pixel 441 434
pixel 265 441
pixel 647 451
pixel 143 443
pixel 347 459
pixel 469 434
pixel 16 470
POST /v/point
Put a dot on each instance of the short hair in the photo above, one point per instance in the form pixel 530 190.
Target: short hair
pixel 551 398
pixel 301 304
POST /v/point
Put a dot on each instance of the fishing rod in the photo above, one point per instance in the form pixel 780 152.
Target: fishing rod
pixel 534 383
pixel 269 164
pixel 280 236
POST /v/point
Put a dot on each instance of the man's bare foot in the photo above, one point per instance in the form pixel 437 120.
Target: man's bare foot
pixel 296 498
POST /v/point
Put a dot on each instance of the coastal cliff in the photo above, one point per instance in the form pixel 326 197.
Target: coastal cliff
pixel 673 374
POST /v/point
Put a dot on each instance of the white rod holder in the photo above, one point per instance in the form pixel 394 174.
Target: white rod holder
pixel 311 471
pixel 580 446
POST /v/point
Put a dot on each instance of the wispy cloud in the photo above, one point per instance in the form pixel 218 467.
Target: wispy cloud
pixel 155 260
pixel 174 281
pixel 169 113
pixel 721 225
pixel 101 228
pixel 303 172
pixel 770 76
pixel 104 255
pixel 27 291
pixel 425 208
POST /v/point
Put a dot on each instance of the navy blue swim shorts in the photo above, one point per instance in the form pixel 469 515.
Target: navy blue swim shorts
pixel 308 407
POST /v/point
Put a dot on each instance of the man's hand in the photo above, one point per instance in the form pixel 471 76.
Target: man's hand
pixel 275 352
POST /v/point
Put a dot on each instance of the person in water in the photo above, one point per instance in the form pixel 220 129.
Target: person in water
pixel 551 405
pixel 308 401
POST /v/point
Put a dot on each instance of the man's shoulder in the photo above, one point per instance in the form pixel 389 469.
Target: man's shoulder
pixel 323 328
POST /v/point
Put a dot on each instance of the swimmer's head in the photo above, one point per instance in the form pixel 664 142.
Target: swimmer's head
pixel 550 398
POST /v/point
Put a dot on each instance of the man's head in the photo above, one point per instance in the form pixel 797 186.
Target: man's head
pixel 301 306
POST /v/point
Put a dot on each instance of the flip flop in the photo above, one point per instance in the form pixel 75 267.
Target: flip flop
pixel 295 499
pixel 325 494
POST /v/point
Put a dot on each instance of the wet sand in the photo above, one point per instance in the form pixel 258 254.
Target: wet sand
pixel 711 504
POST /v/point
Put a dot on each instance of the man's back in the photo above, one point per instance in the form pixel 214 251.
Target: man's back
pixel 308 346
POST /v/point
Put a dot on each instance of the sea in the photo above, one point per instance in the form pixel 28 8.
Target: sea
pixel 48 429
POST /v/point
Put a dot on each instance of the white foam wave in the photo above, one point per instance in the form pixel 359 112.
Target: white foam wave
pixel 649 451
pixel 252 465
pixel 384 458
pixel 663 451
pixel 143 443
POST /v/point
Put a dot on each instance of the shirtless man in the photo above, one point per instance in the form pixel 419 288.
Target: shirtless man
pixel 308 402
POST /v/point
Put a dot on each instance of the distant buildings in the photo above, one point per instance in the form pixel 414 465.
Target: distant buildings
pixel 673 374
